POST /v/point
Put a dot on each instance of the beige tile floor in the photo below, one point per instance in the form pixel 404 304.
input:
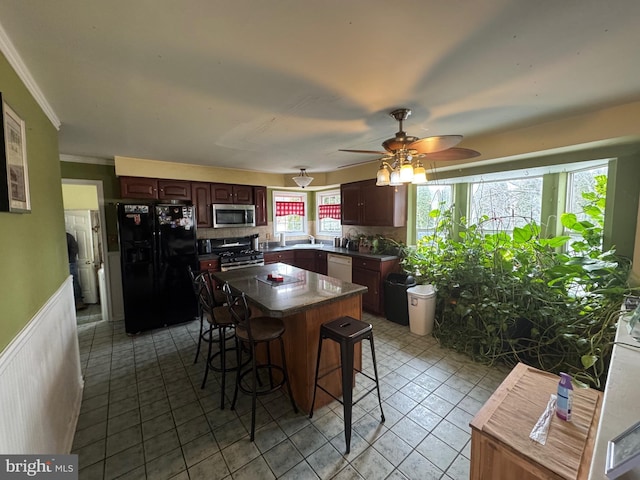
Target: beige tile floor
pixel 144 415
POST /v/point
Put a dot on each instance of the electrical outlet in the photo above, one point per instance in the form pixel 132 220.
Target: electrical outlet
pixel 268 236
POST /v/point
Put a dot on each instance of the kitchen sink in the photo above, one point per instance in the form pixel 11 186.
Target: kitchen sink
pixel 308 245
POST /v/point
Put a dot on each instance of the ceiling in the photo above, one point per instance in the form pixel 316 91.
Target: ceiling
pixel 274 86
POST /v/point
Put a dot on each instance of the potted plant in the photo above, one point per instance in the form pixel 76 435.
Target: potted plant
pixel 510 297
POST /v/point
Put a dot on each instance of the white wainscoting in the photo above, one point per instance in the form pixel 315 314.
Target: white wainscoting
pixel 41 381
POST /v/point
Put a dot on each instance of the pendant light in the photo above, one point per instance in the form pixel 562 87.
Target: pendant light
pixel 303 180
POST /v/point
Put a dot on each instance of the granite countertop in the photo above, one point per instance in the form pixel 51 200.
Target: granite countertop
pixel 301 290
pixel 620 407
pixel 320 247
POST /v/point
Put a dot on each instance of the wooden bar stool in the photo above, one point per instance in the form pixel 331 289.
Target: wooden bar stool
pixel 220 321
pixel 251 332
pixel 218 299
pixel 347 332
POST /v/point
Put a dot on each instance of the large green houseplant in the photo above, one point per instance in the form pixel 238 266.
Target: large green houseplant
pixel 517 297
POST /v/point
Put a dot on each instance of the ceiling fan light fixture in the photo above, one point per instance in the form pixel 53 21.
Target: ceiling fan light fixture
pixel 382 177
pixel 394 180
pixel 419 175
pixel 406 172
pixel 303 180
pixel 402 152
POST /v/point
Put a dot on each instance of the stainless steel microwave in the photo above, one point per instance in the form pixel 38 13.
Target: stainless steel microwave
pixel 225 215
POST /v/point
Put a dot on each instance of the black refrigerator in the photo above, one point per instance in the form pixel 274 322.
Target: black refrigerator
pixel 157 244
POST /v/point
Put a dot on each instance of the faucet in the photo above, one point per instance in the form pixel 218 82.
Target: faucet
pixel 312 239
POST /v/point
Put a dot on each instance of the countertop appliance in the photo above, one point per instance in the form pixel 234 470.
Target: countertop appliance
pixel 226 215
pixel 157 244
pixel 235 253
pixel 339 266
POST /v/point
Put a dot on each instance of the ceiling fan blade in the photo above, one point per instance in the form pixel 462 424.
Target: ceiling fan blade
pixel 354 164
pixel 372 152
pixel 394 144
pixel 455 153
pixel 435 144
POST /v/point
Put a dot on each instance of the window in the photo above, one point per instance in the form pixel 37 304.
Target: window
pixel 508 203
pixel 290 212
pixel 578 183
pixel 328 213
pixel 429 198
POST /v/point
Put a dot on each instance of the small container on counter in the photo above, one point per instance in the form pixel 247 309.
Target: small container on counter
pixel 565 398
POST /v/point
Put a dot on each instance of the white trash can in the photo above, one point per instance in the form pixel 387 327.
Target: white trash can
pixel 422 308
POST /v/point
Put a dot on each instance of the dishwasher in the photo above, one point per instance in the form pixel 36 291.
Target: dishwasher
pixel 339 266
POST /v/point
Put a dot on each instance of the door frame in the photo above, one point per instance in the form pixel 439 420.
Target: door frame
pixel 103 233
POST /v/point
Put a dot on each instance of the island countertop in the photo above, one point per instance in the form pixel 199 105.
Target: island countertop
pixel 301 290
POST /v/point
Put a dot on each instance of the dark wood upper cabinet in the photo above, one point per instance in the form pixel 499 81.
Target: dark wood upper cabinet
pixel 363 203
pixel 260 199
pixel 350 203
pixel 139 187
pixel 201 198
pixel 221 193
pixel 227 193
pixel 174 190
pixel 243 194
pixel 155 189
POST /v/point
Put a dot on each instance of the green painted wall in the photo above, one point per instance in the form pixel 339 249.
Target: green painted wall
pixel 623 192
pixel 110 186
pixel 34 260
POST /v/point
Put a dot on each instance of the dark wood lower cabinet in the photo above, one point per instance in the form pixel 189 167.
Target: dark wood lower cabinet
pixel 210 266
pixel 367 271
pixel 305 259
pixel 321 262
pixel 371 280
pixel 285 256
pixel 371 273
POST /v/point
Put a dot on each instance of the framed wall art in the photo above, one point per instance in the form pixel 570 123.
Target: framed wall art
pixel 14 172
pixel 623 452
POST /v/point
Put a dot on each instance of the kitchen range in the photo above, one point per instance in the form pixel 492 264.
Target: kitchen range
pixel 234 253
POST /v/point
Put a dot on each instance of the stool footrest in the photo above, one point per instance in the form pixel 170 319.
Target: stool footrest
pixel 271 389
pixel 338 399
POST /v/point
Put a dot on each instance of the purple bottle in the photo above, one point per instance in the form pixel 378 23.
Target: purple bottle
pixel 565 398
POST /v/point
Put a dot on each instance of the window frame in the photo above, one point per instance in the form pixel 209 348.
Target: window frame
pixel 319 195
pixel 475 217
pixel 430 231
pixel 567 207
pixel 304 220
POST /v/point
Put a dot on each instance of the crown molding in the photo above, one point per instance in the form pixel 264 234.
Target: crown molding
pixel 90 160
pixel 10 52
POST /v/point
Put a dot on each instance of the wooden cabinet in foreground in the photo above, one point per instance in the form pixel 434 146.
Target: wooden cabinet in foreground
pixel 500 445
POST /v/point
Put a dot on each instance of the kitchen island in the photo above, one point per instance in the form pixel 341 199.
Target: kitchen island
pixel 303 300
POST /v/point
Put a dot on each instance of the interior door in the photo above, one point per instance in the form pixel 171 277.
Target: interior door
pixel 78 224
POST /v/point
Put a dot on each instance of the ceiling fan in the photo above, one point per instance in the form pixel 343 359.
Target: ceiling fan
pixel 403 153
